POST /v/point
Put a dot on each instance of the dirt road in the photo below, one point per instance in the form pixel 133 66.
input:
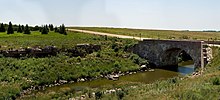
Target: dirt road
pixel 108 34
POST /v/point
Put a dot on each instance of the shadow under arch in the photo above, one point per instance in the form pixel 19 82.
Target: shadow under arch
pixel 171 59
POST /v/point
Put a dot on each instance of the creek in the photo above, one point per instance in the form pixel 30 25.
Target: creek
pixel 143 77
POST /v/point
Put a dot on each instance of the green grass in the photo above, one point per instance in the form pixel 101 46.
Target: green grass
pixel 203 87
pixel 197 88
pixel 161 34
pixel 18 40
pixel 19 74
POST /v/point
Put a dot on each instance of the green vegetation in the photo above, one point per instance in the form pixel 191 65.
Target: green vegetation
pixel 192 87
pixel 19 29
pixel 203 87
pixel 51 27
pixel 27 30
pixel 19 74
pixel 62 29
pixel 10 29
pixel 157 34
pixel 2 28
pixel 44 30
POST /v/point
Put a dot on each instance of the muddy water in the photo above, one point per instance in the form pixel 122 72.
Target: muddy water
pixel 143 77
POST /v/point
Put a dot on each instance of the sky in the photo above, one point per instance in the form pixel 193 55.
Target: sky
pixel 147 14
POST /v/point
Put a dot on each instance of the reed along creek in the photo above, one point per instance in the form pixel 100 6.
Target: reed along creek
pixel 142 77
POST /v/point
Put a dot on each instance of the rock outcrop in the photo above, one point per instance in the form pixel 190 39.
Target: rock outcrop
pixel 79 50
pixel 31 52
pixel 83 49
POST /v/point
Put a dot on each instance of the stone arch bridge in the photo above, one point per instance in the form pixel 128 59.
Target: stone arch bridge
pixel 166 52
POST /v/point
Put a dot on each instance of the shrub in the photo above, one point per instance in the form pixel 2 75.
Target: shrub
pixel 10 29
pixel 78 59
pixel 120 94
pixel 185 37
pixel 98 95
pixel 62 29
pixel 216 81
pixel 128 47
pixel 173 80
pixel 138 60
pixel 98 54
pixel 117 66
pixel 2 28
pixel 44 30
pixel 116 49
pixel 114 45
pixel 27 30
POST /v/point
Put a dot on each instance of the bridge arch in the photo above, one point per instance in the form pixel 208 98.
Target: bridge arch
pixel 157 51
pixel 171 57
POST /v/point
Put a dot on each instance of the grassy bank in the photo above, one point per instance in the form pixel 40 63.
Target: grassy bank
pixel 203 87
pixel 18 74
pixel 161 34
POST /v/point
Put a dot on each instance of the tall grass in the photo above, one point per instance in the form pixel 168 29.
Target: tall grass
pixel 19 74
pixel 203 87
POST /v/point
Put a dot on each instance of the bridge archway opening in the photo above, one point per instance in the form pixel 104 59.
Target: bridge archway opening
pixel 178 60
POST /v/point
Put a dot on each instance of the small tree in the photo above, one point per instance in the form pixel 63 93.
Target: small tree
pixel 10 29
pixel 98 95
pixel 19 29
pixel 51 27
pixel 36 28
pixel 44 30
pixel 47 28
pixel 2 28
pixel 120 94
pixel 63 29
pixel 56 29
pixel 117 66
pixel 22 28
pixel 27 30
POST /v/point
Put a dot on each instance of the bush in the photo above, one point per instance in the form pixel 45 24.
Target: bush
pixel 190 95
pixel 116 49
pixel 114 45
pixel 173 80
pixel 128 47
pixel 98 95
pixel 10 29
pixel 120 94
pixel 138 60
pixel 27 30
pixel 44 30
pixel 78 59
pixel 185 37
pixel 117 66
pixel 216 81
pixel 98 54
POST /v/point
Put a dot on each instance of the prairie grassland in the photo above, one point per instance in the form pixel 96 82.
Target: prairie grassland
pixel 18 74
pixel 161 34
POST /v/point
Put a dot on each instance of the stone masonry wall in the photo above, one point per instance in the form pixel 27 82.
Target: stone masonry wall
pixel 164 52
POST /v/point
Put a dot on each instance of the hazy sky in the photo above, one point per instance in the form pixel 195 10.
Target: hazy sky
pixel 150 14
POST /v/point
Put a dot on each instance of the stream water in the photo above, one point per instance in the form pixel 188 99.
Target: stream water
pixel 144 77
